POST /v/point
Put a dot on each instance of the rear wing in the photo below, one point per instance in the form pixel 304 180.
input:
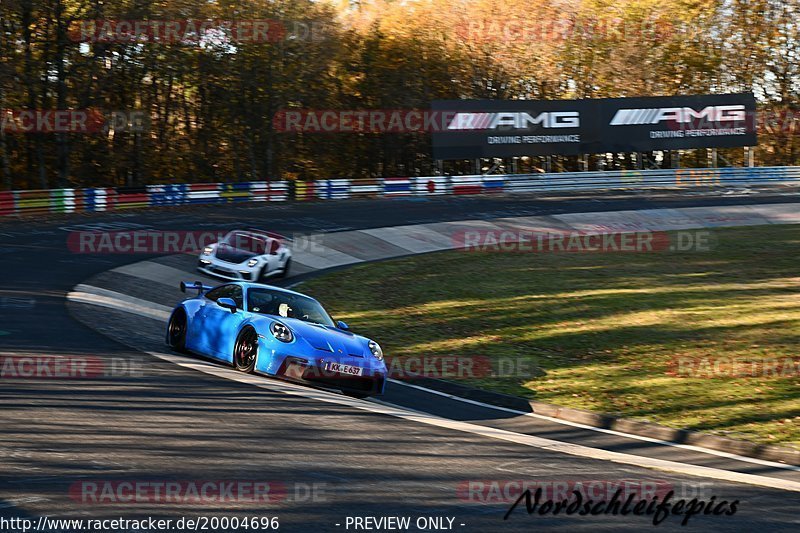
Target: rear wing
pixel 271 234
pixel 195 286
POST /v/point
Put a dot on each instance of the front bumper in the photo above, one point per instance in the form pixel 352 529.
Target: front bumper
pixel 371 382
pixel 216 268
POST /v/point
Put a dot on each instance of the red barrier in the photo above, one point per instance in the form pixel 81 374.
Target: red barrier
pixel 6 203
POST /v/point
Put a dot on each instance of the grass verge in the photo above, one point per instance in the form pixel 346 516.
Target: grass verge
pixel 698 340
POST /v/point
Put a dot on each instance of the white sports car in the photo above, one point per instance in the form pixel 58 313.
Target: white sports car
pixel 247 256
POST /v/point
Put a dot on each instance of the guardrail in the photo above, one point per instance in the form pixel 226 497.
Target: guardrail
pixel 115 198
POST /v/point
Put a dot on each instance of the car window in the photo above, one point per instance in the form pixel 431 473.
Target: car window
pixel 288 305
pixel 227 291
pixel 246 241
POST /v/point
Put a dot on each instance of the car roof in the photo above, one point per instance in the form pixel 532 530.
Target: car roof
pixel 251 233
pixel 247 285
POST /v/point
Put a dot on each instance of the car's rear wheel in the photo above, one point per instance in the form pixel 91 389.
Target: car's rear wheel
pixel 245 350
pixel 176 331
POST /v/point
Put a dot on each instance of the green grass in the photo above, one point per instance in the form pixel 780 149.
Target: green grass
pixel 603 330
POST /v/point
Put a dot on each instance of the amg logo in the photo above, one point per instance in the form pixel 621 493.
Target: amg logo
pixel 681 115
pixel 519 121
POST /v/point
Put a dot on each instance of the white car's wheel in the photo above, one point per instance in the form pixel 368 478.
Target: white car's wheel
pixel 263 274
pixel 285 271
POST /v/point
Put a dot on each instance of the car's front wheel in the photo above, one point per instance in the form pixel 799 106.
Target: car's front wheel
pixel 245 351
pixel 285 271
pixel 176 331
pixel 263 274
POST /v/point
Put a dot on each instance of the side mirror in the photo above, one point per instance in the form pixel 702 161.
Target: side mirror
pixel 342 325
pixel 227 303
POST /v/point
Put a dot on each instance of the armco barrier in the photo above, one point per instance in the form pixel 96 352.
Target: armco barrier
pixel 366 188
pixel 338 189
pixel 467 184
pixel 106 199
pixel 432 185
pixel 397 186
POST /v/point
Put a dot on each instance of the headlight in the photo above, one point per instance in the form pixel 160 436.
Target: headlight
pixel 252 262
pixel 281 332
pixel 375 348
pixel 207 250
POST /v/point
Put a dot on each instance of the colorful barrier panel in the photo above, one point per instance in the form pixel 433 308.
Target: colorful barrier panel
pixel 304 190
pixel 129 198
pixel 7 204
pixel 467 184
pixel 431 185
pixel 278 191
pixel 335 189
pixel 235 192
pixel 32 202
pixel 105 199
pixel 493 184
pixel 203 193
pixel 167 194
pixel 259 191
pixel 366 188
pixel 396 186
pixel 95 199
pixel 62 201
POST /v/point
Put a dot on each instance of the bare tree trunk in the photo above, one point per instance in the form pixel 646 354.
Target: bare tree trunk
pixel 37 157
pixel 3 152
pixel 62 139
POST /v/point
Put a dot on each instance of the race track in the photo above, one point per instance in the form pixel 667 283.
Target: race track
pixel 411 453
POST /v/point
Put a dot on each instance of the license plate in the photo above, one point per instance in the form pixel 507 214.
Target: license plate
pixel 345 369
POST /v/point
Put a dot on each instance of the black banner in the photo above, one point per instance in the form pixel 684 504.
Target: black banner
pixel 503 128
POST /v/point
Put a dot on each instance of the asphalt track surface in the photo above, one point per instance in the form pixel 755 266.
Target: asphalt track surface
pixel 175 423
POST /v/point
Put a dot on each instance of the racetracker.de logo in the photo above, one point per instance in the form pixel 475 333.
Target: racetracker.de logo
pixel 507 491
pixel 363 121
pixel 71 121
pixel 458 367
pixel 564 27
pixel 66 367
pixel 565 241
pixel 186 492
pixel 141 241
pixel 177 31
pixel 146 241
pixel 734 367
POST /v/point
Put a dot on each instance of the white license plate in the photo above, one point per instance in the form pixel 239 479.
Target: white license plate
pixel 345 369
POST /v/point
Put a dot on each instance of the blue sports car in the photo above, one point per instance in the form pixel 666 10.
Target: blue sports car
pixel 277 332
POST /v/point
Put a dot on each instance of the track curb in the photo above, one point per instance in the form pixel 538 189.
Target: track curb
pixel 607 421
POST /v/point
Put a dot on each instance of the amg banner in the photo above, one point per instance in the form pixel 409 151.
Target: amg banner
pixel 503 128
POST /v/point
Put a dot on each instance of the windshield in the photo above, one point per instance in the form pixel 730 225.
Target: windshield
pixel 287 305
pixel 245 241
